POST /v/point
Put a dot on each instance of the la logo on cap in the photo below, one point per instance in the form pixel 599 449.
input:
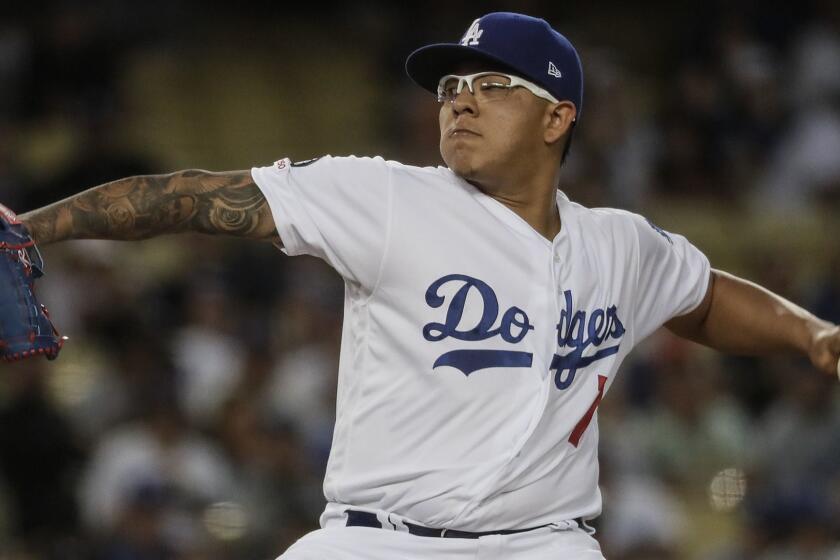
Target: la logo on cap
pixel 472 35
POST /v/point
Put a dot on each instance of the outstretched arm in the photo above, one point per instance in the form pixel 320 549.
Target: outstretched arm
pixel 226 203
pixel 740 317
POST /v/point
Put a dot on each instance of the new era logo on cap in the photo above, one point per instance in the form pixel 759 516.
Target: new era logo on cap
pixel 522 45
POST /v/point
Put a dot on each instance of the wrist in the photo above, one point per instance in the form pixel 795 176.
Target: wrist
pixel 29 229
pixel 44 226
pixel 815 329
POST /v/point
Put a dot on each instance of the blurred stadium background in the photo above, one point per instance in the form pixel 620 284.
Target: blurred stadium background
pixel 190 415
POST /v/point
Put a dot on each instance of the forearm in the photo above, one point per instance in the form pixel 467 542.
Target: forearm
pixel 746 319
pixel 145 206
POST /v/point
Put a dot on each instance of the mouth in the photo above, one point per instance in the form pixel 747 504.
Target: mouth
pixel 460 131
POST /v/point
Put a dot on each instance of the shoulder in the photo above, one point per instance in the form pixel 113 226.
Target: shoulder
pixel 374 164
pixel 363 161
pixel 618 227
pixel 428 173
pixel 344 162
pixel 602 218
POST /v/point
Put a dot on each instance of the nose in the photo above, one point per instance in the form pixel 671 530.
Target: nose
pixel 464 102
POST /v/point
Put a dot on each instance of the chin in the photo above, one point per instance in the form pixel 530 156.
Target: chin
pixel 461 170
pixel 461 164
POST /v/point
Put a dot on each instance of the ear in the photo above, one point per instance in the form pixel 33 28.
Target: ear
pixel 559 118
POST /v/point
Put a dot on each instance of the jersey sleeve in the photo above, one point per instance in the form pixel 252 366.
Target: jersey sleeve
pixel 334 208
pixel 673 276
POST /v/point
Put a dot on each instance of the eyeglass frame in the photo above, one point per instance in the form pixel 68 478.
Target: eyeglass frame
pixel 468 79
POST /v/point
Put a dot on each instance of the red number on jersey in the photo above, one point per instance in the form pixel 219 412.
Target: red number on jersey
pixel 581 426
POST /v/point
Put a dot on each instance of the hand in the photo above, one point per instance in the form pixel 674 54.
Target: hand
pixel 25 326
pixel 825 349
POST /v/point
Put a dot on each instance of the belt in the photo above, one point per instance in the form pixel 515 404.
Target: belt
pixel 356 518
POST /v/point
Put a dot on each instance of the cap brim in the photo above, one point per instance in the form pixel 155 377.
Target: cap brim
pixel 427 65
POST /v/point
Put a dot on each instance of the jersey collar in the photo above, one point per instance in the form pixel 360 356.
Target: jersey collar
pixel 510 218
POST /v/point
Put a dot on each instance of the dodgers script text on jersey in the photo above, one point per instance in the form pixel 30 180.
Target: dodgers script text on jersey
pixel 475 351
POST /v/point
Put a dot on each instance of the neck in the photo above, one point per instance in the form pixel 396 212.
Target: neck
pixel 535 201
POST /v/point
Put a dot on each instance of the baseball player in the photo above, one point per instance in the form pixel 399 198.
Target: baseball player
pixel 486 314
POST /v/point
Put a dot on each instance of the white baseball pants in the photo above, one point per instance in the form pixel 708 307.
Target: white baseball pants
pixel 367 543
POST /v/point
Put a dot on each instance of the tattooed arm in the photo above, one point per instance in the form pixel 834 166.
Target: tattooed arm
pixel 227 203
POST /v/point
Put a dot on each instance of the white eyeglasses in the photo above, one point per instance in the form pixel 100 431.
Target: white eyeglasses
pixel 486 86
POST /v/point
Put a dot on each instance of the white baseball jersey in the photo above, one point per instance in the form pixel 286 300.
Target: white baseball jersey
pixel 475 351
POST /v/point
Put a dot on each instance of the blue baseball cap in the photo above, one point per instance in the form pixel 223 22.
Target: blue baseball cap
pixel 522 45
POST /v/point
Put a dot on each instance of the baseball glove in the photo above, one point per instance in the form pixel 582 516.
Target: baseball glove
pixel 25 326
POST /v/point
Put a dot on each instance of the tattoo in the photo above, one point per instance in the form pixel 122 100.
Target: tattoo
pixel 228 203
